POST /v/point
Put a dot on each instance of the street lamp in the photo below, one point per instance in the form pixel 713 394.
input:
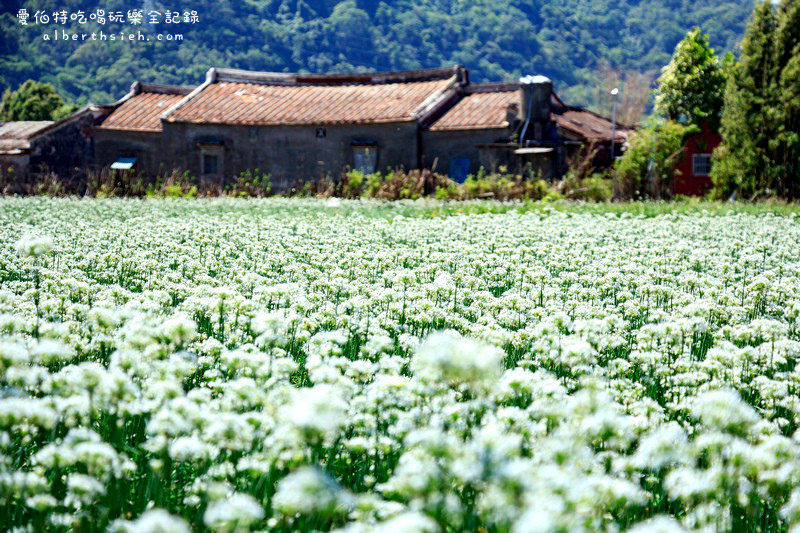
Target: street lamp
pixel 614 93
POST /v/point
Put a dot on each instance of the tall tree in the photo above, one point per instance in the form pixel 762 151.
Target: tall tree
pixel 33 101
pixel 743 164
pixel 692 86
pixel 787 64
pixel 787 32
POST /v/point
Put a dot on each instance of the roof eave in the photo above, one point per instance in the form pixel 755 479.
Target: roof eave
pixel 128 130
pixel 471 127
pixel 392 120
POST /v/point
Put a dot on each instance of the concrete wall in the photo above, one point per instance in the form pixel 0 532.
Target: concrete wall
pixel 66 150
pixel 444 146
pixel 13 172
pixel 110 145
pixel 291 154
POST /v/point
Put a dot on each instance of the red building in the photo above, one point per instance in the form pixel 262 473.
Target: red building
pixel 694 168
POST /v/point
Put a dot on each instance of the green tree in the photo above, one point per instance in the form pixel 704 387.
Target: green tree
pixel 692 86
pixel 744 162
pixel 648 165
pixel 496 39
pixel 33 101
pixel 787 32
pixel 787 64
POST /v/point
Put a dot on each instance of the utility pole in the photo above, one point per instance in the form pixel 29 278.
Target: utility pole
pixel 614 93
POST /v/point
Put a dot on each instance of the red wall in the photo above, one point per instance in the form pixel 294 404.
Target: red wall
pixel 685 182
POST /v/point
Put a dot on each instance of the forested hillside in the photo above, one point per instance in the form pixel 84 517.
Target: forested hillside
pixel 569 40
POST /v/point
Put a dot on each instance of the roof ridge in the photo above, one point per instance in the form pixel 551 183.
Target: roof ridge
pixel 211 77
pixel 88 108
pixel 580 109
pixel 161 88
pixel 490 87
pixel 282 78
pixel 439 101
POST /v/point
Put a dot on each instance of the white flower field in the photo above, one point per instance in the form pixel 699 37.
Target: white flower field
pixel 282 365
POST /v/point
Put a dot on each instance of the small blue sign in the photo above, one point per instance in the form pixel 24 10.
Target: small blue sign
pixel 123 163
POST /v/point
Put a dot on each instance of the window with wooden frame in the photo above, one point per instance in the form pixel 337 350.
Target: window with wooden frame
pixel 365 157
pixel 211 159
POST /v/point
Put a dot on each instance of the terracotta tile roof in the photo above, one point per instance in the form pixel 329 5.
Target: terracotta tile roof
pixel 22 129
pixel 141 110
pixel 482 107
pixel 485 107
pixel 588 125
pixel 15 136
pixel 250 98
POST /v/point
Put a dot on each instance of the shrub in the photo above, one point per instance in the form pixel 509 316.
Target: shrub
pixel 107 183
pixel 175 185
pixel 351 185
pixel 503 185
pixel 648 166
pixel 595 188
pixel 251 183
pixel 372 185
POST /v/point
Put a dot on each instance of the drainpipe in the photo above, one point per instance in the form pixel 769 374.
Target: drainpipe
pixel 528 113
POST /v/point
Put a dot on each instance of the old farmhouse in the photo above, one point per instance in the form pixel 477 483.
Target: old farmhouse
pixel 132 134
pixel 300 127
pixel 63 149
